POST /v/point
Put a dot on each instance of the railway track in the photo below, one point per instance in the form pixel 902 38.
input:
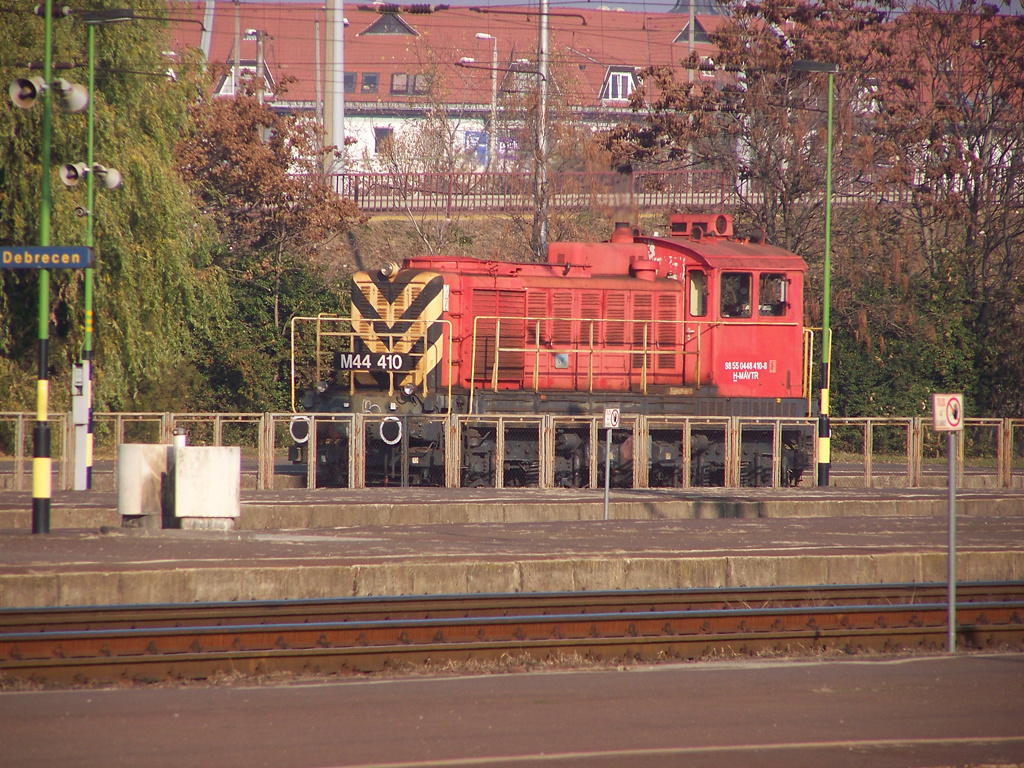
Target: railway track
pixel 160 642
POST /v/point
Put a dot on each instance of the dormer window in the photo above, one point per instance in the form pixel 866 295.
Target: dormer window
pixel 246 71
pixel 390 24
pixel 619 83
pixel 700 35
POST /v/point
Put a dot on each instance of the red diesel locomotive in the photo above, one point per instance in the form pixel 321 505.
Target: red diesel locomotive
pixel 694 323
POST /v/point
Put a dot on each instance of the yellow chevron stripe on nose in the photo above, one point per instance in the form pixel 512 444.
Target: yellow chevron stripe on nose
pixel 391 313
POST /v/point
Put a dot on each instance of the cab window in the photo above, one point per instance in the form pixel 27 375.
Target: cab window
pixel 736 294
pixel 771 295
pixel 698 293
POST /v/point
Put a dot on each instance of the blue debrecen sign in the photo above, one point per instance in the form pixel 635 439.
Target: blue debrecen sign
pixel 45 257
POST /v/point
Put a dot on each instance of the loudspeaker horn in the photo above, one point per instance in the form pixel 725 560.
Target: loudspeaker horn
pixel 111 178
pixel 72 173
pixel 75 97
pixel 25 91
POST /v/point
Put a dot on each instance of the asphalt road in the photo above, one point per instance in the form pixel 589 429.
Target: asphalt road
pixel 880 712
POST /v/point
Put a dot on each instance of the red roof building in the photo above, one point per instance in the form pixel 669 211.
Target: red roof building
pixel 400 61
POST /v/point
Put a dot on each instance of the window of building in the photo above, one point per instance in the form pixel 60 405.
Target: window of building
pixel 370 82
pixel 698 293
pixel 771 295
pixel 228 86
pixel 619 84
pixel 390 24
pixel 700 35
pixel 400 83
pixel 382 138
pixel 406 83
pixel 736 294
pixel 350 82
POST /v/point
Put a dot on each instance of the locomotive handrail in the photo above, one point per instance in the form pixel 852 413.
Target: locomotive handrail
pixel 592 351
pixel 351 335
pixel 808 370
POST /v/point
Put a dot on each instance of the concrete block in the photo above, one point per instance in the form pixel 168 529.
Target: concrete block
pixel 174 585
pixel 90 588
pixel 674 573
pixel 704 572
pixel 207 481
pixel 990 566
pixel 598 574
pixel 140 473
pixel 490 577
pixel 326 581
pixel 882 568
pixel 28 590
pixel 547 575
pixel 433 578
pixel 754 571
pixel 206 523
pixel 216 585
pixel 266 583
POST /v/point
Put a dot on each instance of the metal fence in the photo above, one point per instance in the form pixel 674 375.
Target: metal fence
pixel 513 191
pixel 540 451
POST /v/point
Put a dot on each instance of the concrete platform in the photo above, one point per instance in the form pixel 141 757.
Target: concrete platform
pixel 330 508
pixel 296 544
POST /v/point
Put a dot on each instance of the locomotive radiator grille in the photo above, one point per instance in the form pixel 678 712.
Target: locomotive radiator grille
pixel 401 316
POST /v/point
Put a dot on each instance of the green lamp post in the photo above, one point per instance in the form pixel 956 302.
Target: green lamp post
pixel 24 93
pixel 824 426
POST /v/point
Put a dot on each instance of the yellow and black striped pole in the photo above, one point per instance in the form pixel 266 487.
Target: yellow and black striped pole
pixel 824 425
pixel 41 482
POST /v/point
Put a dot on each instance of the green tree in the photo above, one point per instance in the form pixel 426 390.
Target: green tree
pixel 156 290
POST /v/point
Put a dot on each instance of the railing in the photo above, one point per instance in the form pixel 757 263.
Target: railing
pixel 638 340
pixel 513 191
pixel 868 452
pixel 392 356
pixel 585 346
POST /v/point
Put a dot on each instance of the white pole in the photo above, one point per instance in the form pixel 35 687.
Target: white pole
pixel 951 448
pixel 542 133
pixel 335 113
pixel 607 469
pixel 491 143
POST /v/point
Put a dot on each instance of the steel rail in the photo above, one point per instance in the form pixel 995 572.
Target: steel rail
pixel 367 645
pixel 435 606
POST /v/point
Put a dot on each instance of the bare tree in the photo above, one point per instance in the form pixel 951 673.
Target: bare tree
pixel 423 158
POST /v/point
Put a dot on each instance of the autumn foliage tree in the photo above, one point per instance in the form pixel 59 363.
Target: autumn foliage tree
pixel 927 234
pixel 948 101
pixel 255 175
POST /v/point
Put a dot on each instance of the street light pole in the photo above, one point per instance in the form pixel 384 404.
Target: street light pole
pixel 824 424
pixel 24 94
pixel 84 442
pixel 491 143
